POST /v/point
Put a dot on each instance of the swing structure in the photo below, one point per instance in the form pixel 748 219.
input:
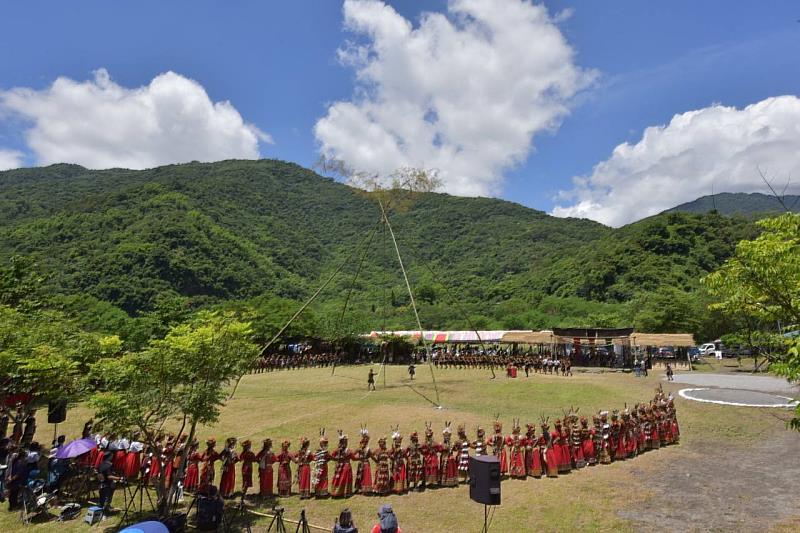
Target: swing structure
pixel 383 225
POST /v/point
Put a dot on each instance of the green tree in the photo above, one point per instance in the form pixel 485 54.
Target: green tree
pixel 762 283
pixel 181 378
pixel 43 354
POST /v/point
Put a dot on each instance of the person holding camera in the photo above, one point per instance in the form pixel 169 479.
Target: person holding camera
pixel 344 524
pixel 108 480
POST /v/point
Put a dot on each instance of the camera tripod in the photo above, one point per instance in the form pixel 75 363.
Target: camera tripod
pixel 130 498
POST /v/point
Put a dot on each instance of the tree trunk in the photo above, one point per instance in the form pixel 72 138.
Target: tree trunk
pixel 181 471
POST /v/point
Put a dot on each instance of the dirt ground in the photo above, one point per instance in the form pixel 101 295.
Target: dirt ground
pixel 746 486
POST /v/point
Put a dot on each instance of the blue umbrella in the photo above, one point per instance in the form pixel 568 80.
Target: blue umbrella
pixel 151 526
pixel 76 448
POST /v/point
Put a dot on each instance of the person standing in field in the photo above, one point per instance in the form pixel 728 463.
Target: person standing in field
pixel 669 372
pixel 371 380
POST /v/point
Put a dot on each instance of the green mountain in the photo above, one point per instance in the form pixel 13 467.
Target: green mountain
pixel 165 241
pixel 740 203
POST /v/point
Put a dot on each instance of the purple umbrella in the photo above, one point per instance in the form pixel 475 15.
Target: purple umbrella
pixel 76 448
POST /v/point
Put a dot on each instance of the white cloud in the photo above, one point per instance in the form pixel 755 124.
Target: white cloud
pixel 716 147
pixel 464 92
pixel 10 159
pixel 100 124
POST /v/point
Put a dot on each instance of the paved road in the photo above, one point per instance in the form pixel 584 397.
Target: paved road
pixel 740 381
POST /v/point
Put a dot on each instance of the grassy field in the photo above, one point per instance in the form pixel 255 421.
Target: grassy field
pixel 291 404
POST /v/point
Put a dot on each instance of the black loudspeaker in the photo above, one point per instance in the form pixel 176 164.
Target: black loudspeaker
pixel 56 412
pixel 484 479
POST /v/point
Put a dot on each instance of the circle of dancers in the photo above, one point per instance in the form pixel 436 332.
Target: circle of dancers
pixel 572 443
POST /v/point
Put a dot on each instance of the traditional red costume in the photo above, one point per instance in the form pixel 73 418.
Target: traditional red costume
pixel 498 447
pixel 564 453
pixel 587 443
pixel 533 453
pixel 266 459
pixel 363 479
pixel 285 459
pixel 516 445
pixel 342 484
pixel 192 479
pixel 462 447
pixel 430 458
pixel 550 451
pixel 247 457
pixel 208 458
pixel 415 468
pixel 319 480
pixel 304 458
pixel 229 458
pixel 399 472
pixel 448 462
pixel 382 458
pixel 133 461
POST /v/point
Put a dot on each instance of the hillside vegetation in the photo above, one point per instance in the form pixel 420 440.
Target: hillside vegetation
pixel 133 251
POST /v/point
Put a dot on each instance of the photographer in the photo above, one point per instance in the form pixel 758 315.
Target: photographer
pixel 107 482
pixel 344 524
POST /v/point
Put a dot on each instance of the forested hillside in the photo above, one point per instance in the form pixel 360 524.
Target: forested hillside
pixel 741 203
pixel 132 250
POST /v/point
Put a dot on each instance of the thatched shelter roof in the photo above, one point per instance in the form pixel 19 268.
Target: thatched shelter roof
pixel 662 339
pixel 528 337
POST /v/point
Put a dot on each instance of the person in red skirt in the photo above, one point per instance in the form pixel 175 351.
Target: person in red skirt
pixel 549 450
pixel 247 458
pixel 192 478
pixel 415 468
pixel 430 457
pixel 120 447
pixel 533 452
pixel 382 457
pixel 285 458
pixel 303 458
pixel 133 460
pixel 448 458
pixel 342 484
pixel 363 479
pixel 672 416
pixel 587 442
pixel 399 472
pixel 561 441
pixel 575 442
pixel 516 446
pixel 229 458
pixel 208 458
pixel 629 428
pixel 266 459
pixel 153 459
pixel 319 480
pixel 498 442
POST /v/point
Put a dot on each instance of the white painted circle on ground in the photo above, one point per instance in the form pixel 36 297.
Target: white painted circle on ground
pixel 737 397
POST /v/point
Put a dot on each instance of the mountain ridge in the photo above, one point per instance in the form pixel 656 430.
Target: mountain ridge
pixel 210 234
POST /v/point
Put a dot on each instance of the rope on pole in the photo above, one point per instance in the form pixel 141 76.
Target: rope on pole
pixel 314 296
pixel 352 284
pixel 413 303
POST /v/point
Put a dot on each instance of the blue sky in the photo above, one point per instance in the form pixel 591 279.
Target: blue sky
pixel 277 64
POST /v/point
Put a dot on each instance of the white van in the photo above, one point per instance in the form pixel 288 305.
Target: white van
pixel 707 349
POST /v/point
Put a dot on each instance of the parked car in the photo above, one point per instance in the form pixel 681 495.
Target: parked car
pixel 707 349
pixel 666 351
pixel 694 353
